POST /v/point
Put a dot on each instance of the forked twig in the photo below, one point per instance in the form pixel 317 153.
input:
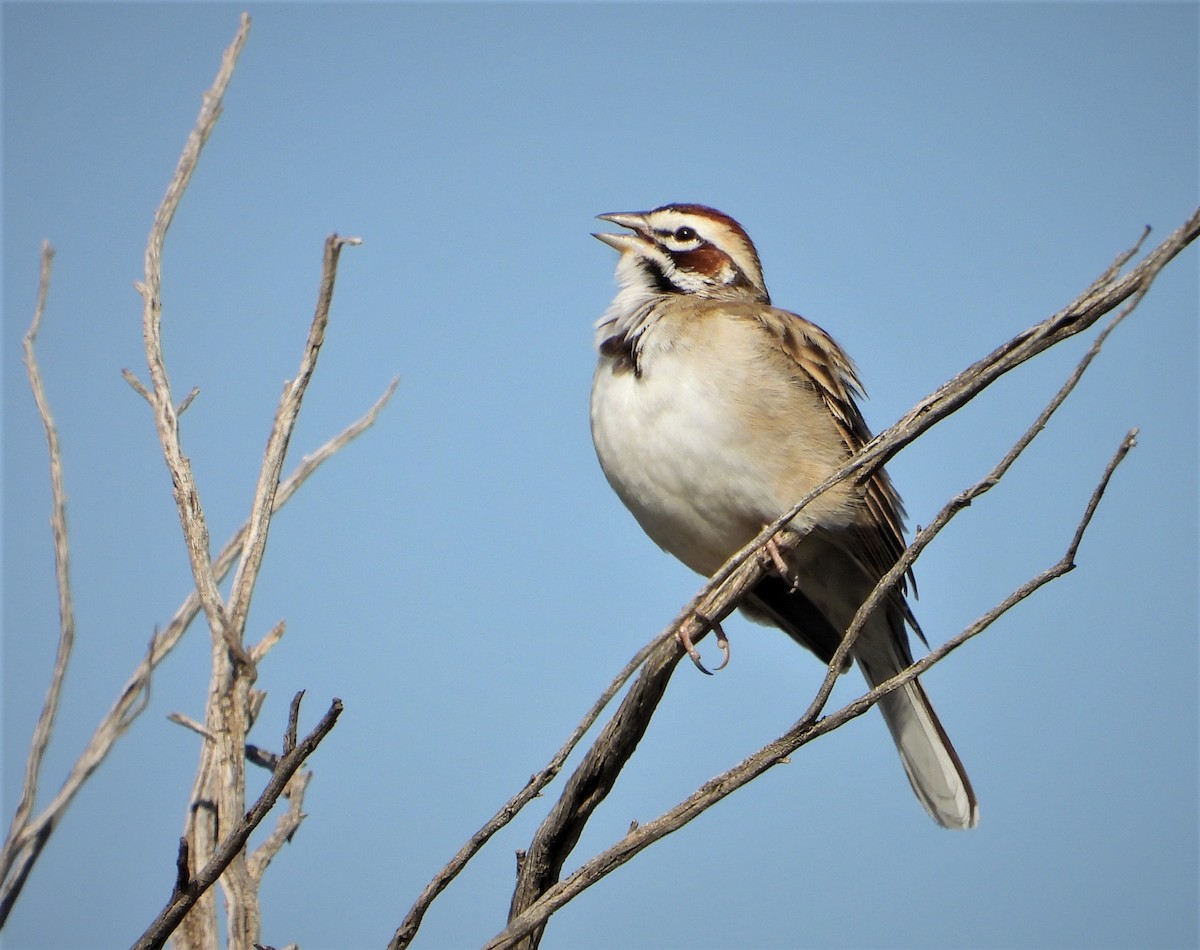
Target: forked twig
pixel 408 928
pixel 189 889
pixel 24 843
pixel 166 417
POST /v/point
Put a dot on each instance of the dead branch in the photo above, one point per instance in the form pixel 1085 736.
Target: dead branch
pixel 219 789
pixel 408 929
pixel 598 771
pixel 221 776
pixel 66 612
pixel 281 433
pixel 58 525
pixel 525 928
pixel 24 844
pixel 189 889
pixel 187 498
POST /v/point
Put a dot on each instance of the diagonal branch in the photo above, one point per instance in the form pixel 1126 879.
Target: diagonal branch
pixel 408 928
pixel 24 844
pixel 1103 296
pixel 889 581
pixel 529 922
pixel 259 522
pixel 188 891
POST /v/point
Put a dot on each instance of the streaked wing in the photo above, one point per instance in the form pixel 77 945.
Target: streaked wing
pixel 879 537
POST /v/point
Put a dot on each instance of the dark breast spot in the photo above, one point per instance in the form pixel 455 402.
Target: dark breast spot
pixel 621 351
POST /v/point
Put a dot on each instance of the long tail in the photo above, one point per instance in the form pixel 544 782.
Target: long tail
pixel 932 765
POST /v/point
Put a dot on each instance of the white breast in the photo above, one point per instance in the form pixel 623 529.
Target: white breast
pixel 679 455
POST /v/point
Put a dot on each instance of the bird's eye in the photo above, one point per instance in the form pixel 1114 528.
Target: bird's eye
pixel 685 234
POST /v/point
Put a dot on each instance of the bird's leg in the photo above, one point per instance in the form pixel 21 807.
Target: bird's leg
pixel 775 557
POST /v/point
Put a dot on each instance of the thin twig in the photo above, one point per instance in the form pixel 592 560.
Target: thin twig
pixel 187 401
pixel 138 386
pixel 157 933
pixel 637 839
pixel 180 719
pixel 285 829
pixel 408 929
pixel 289 737
pixel 19 835
pixel 187 497
pixel 62 576
pixel 288 411
pixel 23 848
pixel 274 635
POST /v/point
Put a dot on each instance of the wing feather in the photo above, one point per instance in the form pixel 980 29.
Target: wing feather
pixel 877 541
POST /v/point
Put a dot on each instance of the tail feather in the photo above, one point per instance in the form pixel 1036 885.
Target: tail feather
pixel 933 767
pixel 816 615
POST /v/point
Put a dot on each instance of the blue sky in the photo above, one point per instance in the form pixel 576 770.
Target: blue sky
pixel 923 180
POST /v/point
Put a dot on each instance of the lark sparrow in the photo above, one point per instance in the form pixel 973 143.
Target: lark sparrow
pixel 713 413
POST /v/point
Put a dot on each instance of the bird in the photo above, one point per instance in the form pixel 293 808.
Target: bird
pixel 712 414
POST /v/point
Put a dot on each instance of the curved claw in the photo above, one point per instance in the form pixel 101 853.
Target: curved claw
pixel 723 643
pixel 700 666
pixel 689 648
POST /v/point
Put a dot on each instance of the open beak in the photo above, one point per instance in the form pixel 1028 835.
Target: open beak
pixel 634 220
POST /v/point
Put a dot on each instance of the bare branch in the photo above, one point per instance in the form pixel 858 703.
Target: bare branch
pixel 138 386
pixel 274 635
pixel 289 737
pixel 157 933
pixel 189 723
pixel 255 544
pixel 1104 295
pixel 528 923
pixel 285 829
pixel 29 836
pixel 187 497
pixel 58 525
pixel 24 847
pixel 963 500
pixel 218 792
pixel 187 401
pixel 408 929
pixel 44 727
pixel 181 868
pixel 140 698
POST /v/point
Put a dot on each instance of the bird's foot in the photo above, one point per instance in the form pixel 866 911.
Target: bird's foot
pixel 685 641
pixel 774 557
